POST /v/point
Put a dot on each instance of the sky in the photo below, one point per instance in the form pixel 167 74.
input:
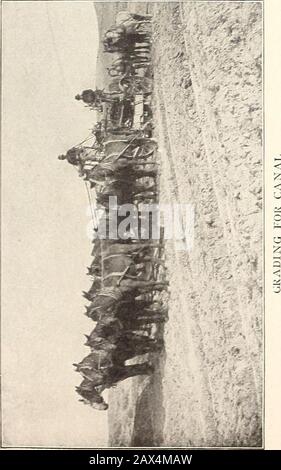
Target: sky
pixel 49 55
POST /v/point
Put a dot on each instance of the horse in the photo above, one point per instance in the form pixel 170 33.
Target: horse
pixel 120 260
pixel 124 39
pixel 133 314
pixel 101 359
pixel 112 295
pixel 134 24
pixel 116 263
pixel 108 377
pixel 122 267
pixel 116 166
pixel 128 343
pixel 90 395
pixel 125 192
pixel 114 352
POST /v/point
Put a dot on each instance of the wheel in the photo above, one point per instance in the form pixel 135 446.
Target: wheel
pixel 129 86
pixel 146 150
pixel 136 85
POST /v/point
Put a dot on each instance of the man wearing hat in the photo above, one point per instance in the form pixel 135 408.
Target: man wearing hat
pixel 95 98
pixel 80 157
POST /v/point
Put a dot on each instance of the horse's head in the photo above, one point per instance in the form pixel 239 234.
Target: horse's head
pixel 90 396
pixel 90 340
pixel 79 367
pixel 97 406
pixel 95 269
pixel 111 34
pixel 89 311
pixel 87 296
pixel 95 339
pixel 87 363
pixel 89 271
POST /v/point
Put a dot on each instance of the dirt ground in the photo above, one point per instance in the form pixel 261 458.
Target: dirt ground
pixel 207 60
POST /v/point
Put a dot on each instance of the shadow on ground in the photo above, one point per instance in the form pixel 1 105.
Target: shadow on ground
pixel 150 414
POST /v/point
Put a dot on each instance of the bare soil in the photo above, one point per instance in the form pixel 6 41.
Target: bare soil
pixel 207 390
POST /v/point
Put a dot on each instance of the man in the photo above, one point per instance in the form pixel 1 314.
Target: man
pixel 95 98
pixel 88 96
pixel 72 156
pixel 79 156
pixel 99 133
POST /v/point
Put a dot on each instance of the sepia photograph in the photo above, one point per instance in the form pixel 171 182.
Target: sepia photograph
pixel 132 224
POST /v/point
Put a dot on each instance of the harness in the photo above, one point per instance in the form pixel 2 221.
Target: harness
pixel 112 292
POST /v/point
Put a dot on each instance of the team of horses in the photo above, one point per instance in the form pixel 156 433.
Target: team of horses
pixel 124 270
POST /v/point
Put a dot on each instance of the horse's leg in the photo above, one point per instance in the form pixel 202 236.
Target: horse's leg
pixel 130 276
pixel 155 261
pixel 151 245
pixel 145 172
pixel 148 140
pixel 141 344
pixel 143 284
pixel 142 63
pixel 147 344
pixel 141 58
pixel 144 349
pixel 143 196
pixel 143 255
pixel 141 188
pixel 149 316
pixel 154 285
pixel 123 355
pixel 143 164
pixel 144 18
pixel 140 305
pixel 155 307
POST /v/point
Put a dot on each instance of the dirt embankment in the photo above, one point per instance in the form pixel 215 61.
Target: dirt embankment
pixel 208 112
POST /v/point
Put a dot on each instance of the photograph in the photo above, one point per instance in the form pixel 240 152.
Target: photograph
pixel 133 225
